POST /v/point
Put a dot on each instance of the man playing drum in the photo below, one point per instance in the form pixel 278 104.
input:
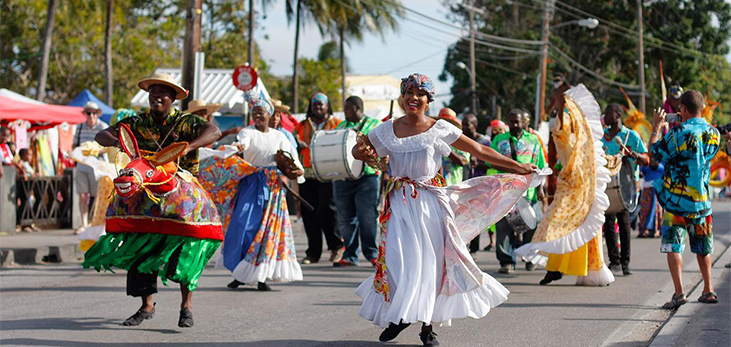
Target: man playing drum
pixel 317 193
pixel 522 147
pixel 633 147
pixel 357 200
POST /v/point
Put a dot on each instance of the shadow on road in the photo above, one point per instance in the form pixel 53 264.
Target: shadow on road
pixel 74 324
pixel 272 343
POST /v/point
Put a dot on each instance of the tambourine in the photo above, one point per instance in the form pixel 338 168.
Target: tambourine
pixel 286 164
pixel 374 161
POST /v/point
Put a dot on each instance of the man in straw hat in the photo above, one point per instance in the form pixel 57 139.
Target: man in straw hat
pixel 199 107
pixel 160 126
pixel 86 184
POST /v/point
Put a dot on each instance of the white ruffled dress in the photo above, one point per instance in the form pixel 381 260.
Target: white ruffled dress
pixel 431 276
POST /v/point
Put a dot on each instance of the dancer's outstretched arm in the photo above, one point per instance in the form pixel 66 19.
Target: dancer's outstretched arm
pixel 492 157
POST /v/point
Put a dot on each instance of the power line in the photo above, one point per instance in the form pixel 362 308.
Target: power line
pixel 484 35
pixel 592 73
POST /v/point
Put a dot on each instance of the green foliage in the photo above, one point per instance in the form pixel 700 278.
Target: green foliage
pixel 320 76
pixel 694 57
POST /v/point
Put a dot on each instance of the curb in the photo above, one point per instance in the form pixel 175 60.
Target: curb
pixel 673 328
pixel 44 254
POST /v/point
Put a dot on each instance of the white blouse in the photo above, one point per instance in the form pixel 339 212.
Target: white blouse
pixel 260 148
pixel 417 157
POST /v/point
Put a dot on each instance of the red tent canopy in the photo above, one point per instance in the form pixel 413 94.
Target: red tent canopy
pixel 11 109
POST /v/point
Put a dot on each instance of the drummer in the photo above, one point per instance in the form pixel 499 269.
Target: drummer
pixel 522 147
pixel 319 194
pixel 357 200
pixel 634 148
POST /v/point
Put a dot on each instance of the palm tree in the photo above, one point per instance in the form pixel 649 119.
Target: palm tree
pixel 41 94
pixel 315 9
pixel 351 19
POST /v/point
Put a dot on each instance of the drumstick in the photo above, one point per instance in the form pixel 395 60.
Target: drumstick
pixel 621 144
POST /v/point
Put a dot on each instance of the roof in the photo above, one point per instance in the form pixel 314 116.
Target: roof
pixel 86 96
pixel 216 87
pixel 17 96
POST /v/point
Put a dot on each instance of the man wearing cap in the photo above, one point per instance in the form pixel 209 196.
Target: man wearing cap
pixel 160 126
pixel 522 147
pixel 86 183
pixel 319 194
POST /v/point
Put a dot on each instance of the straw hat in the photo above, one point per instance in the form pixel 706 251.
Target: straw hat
pixel 450 116
pixel 200 104
pixel 279 106
pixel 90 105
pixel 164 79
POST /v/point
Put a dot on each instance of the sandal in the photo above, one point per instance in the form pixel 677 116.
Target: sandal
pixel 709 298
pixel 675 302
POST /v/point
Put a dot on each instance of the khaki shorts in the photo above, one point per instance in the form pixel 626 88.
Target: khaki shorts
pixel 85 180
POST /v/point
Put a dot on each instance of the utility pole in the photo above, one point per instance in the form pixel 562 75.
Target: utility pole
pixel 191 45
pixel 108 54
pixel 641 56
pixel 41 94
pixel 545 33
pixel 251 33
pixel 295 74
pixel 473 82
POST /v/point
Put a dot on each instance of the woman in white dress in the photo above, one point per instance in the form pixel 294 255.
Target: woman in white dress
pixel 424 271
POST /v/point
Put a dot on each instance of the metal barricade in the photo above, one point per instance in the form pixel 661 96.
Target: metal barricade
pixel 45 200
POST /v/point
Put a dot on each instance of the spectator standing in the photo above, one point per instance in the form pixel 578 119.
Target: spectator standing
pixel 686 151
pixel 357 200
pixel 86 183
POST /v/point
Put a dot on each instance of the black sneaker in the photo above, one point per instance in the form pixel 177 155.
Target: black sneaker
pixel 263 287
pixel 429 339
pixel 186 318
pixel 615 267
pixel 137 318
pixel 625 269
pixel 235 284
pixel 550 277
pixel 530 266
pixel 392 331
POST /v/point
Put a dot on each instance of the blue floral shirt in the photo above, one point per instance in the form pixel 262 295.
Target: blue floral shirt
pixel 686 151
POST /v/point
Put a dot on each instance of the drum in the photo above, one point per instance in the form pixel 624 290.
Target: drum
pixel 622 189
pixel 523 217
pixel 331 155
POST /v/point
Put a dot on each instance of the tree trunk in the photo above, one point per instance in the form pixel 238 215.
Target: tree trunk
pixel 191 45
pixel 251 33
pixel 108 53
pixel 295 73
pixel 41 93
pixel 342 64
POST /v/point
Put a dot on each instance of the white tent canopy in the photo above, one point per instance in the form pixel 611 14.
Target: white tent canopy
pixel 216 87
pixel 17 96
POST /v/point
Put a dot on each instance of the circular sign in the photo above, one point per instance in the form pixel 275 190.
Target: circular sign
pixel 245 77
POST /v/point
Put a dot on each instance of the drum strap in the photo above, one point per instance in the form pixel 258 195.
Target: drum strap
pixel 513 153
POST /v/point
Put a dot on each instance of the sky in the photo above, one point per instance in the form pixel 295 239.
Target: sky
pixel 410 49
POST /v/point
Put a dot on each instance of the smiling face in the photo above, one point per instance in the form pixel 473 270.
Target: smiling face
pixel 319 109
pixel 92 116
pixel 161 98
pixel 515 122
pixel 260 116
pixel 415 101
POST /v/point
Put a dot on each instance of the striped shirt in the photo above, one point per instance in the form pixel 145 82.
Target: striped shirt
pixel 85 134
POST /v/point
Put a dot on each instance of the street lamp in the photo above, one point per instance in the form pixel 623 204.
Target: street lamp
pixel 473 90
pixel 589 23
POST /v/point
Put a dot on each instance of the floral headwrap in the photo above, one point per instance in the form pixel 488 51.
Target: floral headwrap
pixel 255 99
pixel 321 98
pixel 423 82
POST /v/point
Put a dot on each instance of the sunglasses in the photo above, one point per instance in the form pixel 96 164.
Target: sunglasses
pixel 89 113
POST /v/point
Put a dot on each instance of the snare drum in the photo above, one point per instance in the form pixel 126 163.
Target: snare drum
pixel 622 189
pixel 523 218
pixel 331 155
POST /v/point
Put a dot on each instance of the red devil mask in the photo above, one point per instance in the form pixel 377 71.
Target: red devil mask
pixel 154 174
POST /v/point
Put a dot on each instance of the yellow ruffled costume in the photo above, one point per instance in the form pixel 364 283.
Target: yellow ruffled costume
pixel 570 232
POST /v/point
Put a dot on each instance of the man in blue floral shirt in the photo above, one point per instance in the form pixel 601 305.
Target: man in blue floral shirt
pixel 686 151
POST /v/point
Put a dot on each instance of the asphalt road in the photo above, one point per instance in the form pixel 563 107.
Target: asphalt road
pixel 66 306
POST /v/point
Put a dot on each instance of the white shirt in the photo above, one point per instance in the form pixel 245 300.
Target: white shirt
pixel 417 157
pixel 260 148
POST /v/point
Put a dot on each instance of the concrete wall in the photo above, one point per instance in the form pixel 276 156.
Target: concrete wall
pixel 7 199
